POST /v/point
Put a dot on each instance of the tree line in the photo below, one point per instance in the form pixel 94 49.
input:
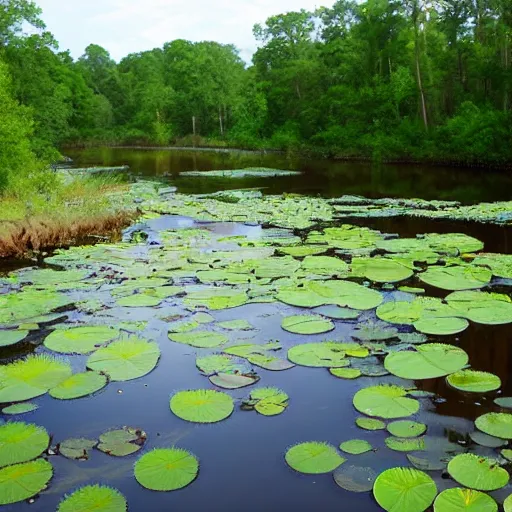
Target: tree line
pixel 410 79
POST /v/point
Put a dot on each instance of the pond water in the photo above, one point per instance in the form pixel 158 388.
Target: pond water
pixel 242 458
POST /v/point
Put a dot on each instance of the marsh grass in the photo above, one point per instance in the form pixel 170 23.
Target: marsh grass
pixel 49 212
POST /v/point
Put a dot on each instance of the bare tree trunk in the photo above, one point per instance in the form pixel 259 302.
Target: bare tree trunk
pixel 220 122
pixel 506 63
pixel 297 88
pixel 422 93
pixel 194 125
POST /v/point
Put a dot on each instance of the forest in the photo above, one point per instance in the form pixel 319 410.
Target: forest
pixel 413 80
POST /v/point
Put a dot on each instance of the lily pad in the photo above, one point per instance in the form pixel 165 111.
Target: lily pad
pixel 401 444
pixel 327 354
pixel 125 359
pixel 21 442
pixel 483 308
pixel 507 504
pixel 472 381
pixel 79 340
pixel 22 481
pixel 429 461
pixel 456 277
pixel 79 385
pixel 370 423
pixel 8 338
pixel 166 469
pixel 200 339
pixel 307 324
pixel 406 428
pixel 487 440
pixel 313 458
pixel 380 270
pixel 426 361
pixel 20 408
pixel 504 401
pixel 385 401
pixel 404 490
pixel 506 453
pixel 324 266
pixel 202 405
pixel 480 473
pixel 337 313
pixel 497 424
pixel 441 326
pixel 215 298
pixel 94 498
pixel 31 377
pixel 139 300
pixel 500 264
pixel 356 446
pixel 268 401
pixel 374 331
pixel 77 449
pixel 122 442
pixel 236 325
pixel 233 381
pixel 346 373
pixel 355 478
pixel 458 500
pixel 269 362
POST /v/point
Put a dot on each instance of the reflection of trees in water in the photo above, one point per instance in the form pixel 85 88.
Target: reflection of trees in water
pixel 489 349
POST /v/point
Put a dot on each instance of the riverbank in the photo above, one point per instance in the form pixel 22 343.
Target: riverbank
pixel 78 210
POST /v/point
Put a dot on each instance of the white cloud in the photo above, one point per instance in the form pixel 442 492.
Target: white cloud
pixel 126 26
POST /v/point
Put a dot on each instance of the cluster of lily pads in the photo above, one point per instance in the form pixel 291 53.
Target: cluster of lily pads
pixel 80 310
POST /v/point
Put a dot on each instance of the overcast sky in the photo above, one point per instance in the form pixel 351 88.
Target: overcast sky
pixel 127 26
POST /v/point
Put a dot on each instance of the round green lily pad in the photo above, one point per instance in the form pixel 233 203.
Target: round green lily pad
pixel 22 481
pixel 456 277
pixel 202 405
pixel 233 381
pixel 355 478
pixel 268 401
pixel 200 339
pixel 402 444
pixel 94 498
pixel 504 401
pixel 125 359
pixel 370 423
pixel 380 270
pixel 441 326
pixel 313 458
pixel 20 408
pixel 385 401
pixel 346 373
pixel 21 442
pixel 356 446
pixel 337 313
pixel 406 428
pixel 323 355
pixel 140 300
pixel 482 307
pixel 307 324
pixel 507 504
pixel 8 338
pixel 486 440
pixel 31 377
pixel 77 449
pixel 459 500
pixel 404 490
pixel 79 340
pixel 122 442
pixel 166 469
pixel 427 361
pixel 480 473
pixel 472 381
pixel 79 385
pixel 506 453
pixel 497 424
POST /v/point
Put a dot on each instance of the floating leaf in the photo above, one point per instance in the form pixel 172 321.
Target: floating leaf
pixel 77 449
pixel 125 359
pixel 370 366
pixel 202 405
pixel 122 442
pixel 218 363
pixel 456 278
pixel 313 458
pixel 483 308
pixel 373 331
pixel 385 401
pixel 441 326
pixel 370 424
pixel 327 354
pixel 236 325
pixel 79 340
pixel 215 298
pixel 487 440
pixel 504 401
pixel 507 504
pixel 233 381
pixel 404 490
pixel 8 338
pixel 20 408
pixel 269 362
pixel 406 428
pixel 268 401
pixel 401 444
pixel 31 377
pixel 22 481
pixel 478 473
pixel 200 339
pixel 500 264
pixel 458 500
pixel 324 266
pixel 79 385
pixel 21 442
pixel 355 478
pixel 183 326
pixel 337 313
pixel 473 381
pixel 356 446
pixel 380 270
pixel 307 324
pixel 166 469
pixel 139 300
pixel 497 424
pixel 507 453
pixel 431 461
pixel 426 361
pixel 94 498
pixel 346 373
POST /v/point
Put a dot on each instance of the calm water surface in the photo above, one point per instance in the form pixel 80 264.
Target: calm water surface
pixel 242 466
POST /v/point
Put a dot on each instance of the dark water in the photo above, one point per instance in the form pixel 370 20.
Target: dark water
pixel 242 466
pixel 323 177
